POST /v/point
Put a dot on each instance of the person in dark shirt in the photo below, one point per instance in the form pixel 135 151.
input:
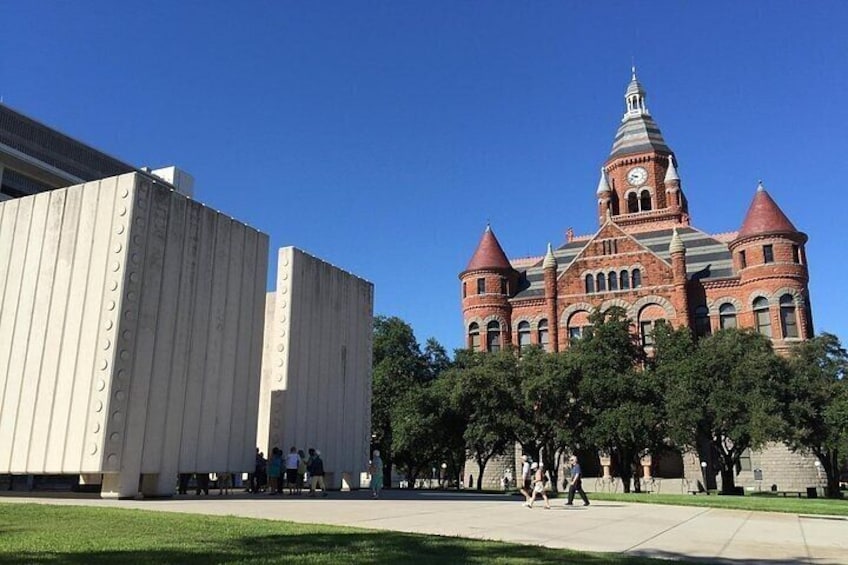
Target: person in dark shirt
pixel 576 483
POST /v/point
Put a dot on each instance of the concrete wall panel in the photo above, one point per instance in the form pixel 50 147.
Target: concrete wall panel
pixel 130 335
pixel 317 364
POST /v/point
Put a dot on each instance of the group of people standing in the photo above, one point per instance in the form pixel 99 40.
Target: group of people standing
pixel 290 471
pixel 534 482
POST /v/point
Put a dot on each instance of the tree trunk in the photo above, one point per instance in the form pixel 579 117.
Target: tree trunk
pixel 481 466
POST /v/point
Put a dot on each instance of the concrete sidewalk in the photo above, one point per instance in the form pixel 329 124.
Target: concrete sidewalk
pixel 673 532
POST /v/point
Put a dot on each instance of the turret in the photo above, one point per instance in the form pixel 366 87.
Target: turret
pixel 549 264
pixel 604 197
pixel 677 250
pixel 769 256
pixel 487 283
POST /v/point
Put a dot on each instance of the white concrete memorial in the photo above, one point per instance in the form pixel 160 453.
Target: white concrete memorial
pixel 131 323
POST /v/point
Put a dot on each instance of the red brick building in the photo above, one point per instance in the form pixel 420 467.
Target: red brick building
pixel 649 259
pixel 646 257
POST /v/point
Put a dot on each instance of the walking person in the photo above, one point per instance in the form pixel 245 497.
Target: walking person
pixel 316 475
pixel 526 483
pixel 576 482
pixel 301 471
pixel 539 481
pixel 375 469
pixel 275 465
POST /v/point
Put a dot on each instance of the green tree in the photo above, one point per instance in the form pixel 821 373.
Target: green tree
pixel 723 396
pixel 549 414
pixel 484 396
pixel 622 404
pixel 398 366
pixel 817 407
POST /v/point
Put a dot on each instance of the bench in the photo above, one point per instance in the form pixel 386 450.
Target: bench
pixel 785 493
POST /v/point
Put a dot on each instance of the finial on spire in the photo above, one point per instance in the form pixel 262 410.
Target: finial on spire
pixel 676 244
pixel 603 185
pixel 550 261
pixel 671 171
pixel 633 71
pixel 760 186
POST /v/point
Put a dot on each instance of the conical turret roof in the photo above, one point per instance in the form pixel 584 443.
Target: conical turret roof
pixel 489 254
pixel 764 216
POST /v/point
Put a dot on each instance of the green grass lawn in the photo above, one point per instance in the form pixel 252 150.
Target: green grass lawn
pixel 37 533
pixel 766 502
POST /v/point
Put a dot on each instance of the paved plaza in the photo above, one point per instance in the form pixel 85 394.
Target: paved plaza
pixel 674 532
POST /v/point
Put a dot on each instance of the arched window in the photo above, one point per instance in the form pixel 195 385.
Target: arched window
pixel 474 336
pixel 543 334
pixel 632 203
pixel 645 201
pixel 601 282
pixel 524 335
pixel 788 319
pixel 727 316
pixel 702 321
pixel 612 281
pixel 624 280
pixel 590 284
pixel 762 316
pixel 636 278
pixel 493 336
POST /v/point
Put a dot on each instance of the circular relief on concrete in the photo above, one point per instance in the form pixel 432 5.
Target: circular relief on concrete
pixel 120 229
pixel 286 261
pixel 134 277
pixel 112 458
pixel 120 395
pixel 280 363
pixel 115 436
pixel 108 325
pixel 285 276
pixel 106 344
pixel 283 303
pixel 95 428
pixel 139 221
pixel 122 211
pixel 122 374
pixel 284 290
pixel 125 193
pixel 279 378
pixel 137 240
pixel 276 423
pixel 110 305
pixel 92 448
pixel 118 417
pixel 127 334
pixel 101 384
pixel 283 318
pixel 135 258
pixel 113 285
pixel 125 355
pixel 116 267
pixel 281 347
pixel 98 406
pixel 282 333
pixel 118 248
pixel 103 364
pixel 129 315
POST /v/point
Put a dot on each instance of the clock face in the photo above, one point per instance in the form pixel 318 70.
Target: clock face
pixel 637 176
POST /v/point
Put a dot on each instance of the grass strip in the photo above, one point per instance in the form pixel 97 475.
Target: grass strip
pixel 755 502
pixel 40 533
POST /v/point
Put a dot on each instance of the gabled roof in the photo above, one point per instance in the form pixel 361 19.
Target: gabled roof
pixel 489 254
pixel 764 216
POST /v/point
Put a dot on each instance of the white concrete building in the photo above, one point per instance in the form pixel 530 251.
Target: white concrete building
pixel 316 373
pixel 130 335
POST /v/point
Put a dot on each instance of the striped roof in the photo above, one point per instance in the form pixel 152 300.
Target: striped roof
pixel 706 257
pixel 638 133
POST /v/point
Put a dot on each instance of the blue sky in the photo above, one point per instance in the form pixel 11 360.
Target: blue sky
pixel 382 136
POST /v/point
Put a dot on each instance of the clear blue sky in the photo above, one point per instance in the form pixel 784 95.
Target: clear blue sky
pixel 381 136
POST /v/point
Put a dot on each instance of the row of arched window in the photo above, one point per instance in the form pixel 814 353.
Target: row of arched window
pixel 762 317
pixel 614 280
pixel 726 319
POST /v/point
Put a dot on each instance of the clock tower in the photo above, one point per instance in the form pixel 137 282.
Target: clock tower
pixel 639 187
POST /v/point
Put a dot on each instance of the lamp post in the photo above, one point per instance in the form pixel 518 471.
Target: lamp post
pixel 704 476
